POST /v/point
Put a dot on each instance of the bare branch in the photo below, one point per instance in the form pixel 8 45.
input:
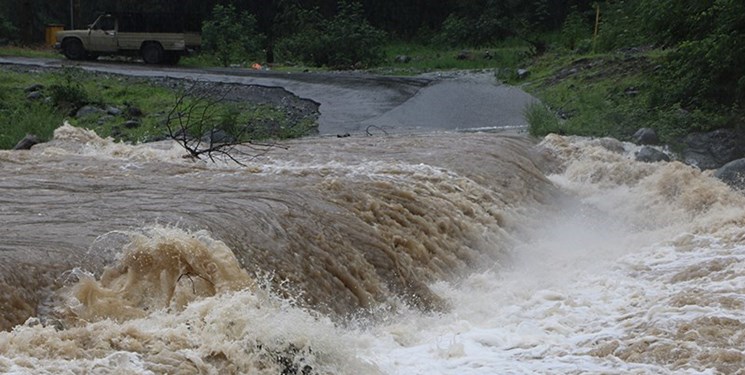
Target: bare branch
pixel 202 122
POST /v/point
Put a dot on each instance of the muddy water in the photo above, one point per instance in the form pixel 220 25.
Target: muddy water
pixel 439 253
pixel 349 223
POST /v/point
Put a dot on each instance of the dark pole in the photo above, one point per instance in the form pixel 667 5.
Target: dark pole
pixel 27 21
pixel 76 12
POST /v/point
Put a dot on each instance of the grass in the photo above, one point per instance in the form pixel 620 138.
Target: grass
pixel 592 94
pixel 38 52
pixel 597 94
pixel 67 90
pixel 422 59
pixel 542 121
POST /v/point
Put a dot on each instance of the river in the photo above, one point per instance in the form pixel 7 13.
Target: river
pixel 436 253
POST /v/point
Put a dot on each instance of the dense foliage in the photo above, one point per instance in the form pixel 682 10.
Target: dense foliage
pixel 231 35
pixel 691 71
pixel 345 41
pixel 707 66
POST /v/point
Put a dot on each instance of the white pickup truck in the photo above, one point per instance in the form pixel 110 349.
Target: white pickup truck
pixel 157 38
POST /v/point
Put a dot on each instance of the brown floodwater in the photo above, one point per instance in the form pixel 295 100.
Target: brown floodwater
pixel 350 223
pixel 447 253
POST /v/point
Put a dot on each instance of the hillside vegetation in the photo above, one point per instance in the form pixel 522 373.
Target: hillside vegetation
pixel 600 68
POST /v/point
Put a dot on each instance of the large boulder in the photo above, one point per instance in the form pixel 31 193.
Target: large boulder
pixel 713 149
pixel 27 142
pixel 645 136
pixel 733 174
pixel 651 155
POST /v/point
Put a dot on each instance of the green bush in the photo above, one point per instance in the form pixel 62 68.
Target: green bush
pixel 574 29
pixel 343 42
pixel 707 40
pixel 7 30
pixel 620 27
pixel 68 92
pixel 231 36
pixel 541 120
pixel 34 118
pixel 484 30
pixel 300 36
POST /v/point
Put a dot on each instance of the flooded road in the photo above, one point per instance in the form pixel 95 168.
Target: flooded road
pixel 353 103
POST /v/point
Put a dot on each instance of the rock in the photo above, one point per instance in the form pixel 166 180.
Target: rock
pixel 34 95
pixel 464 55
pixel 645 136
pixel 34 87
pixel 87 111
pixel 564 73
pixel 26 143
pixel 733 174
pixel 402 59
pixel 116 132
pixel 114 111
pixel 631 91
pixel 564 115
pixel 651 155
pixel 131 124
pixel 104 119
pixel 522 73
pixel 134 112
pixel 713 149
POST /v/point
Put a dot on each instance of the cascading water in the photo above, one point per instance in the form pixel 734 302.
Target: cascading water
pixel 442 253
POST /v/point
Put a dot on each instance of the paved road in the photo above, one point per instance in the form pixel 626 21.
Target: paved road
pixel 356 102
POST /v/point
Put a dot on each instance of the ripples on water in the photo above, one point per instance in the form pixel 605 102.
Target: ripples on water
pixel 440 253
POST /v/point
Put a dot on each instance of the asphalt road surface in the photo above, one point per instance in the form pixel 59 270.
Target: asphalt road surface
pixel 353 103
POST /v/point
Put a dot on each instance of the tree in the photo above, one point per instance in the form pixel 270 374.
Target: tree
pixel 207 129
pixel 7 29
pixel 345 41
pixel 705 42
pixel 231 35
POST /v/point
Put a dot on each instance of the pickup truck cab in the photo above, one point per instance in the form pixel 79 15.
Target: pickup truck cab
pixel 157 38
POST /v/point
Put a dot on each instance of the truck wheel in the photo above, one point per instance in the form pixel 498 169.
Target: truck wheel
pixel 73 49
pixel 152 53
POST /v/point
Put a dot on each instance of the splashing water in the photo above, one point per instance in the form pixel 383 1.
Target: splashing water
pixel 440 253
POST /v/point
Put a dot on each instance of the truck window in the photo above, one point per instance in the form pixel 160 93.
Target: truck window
pixel 106 23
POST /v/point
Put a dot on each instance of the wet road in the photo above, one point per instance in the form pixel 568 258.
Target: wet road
pixel 353 103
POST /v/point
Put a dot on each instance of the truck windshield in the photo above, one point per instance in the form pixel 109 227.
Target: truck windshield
pixel 107 23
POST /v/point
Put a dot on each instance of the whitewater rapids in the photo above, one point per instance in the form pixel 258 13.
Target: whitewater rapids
pixel 442 253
